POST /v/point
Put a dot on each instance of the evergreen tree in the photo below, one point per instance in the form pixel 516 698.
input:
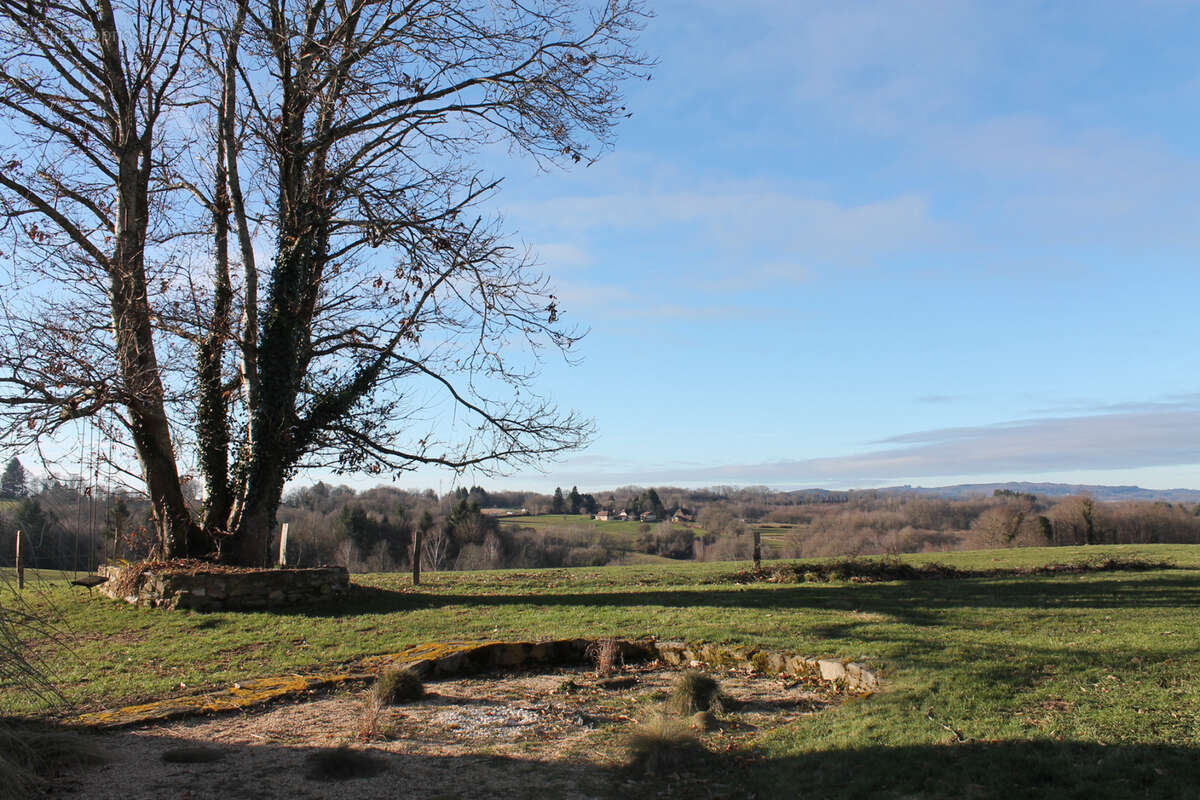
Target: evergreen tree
pixel 575 499
pixel 653 503
pixel 12 484
pixel 32 518
pixel 558 505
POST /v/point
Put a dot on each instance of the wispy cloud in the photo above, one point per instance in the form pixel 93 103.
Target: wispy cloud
pixel 557 256
pixel 750 226
pixel 1077 184
pixel 1170 402
pixel 599 301
pixel 1098 442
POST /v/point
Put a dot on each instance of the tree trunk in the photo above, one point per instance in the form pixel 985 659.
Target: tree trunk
pixel 132 325
pixel 134 337
pixel 251 542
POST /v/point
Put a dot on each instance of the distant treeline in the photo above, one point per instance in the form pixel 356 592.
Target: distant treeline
pixel 875 523
pixel 372 530
pixel 73 528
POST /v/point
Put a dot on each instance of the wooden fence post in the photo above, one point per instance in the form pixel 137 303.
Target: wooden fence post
pixel 416 557
pixel 283 545
pixel 757 549
pixel 20 559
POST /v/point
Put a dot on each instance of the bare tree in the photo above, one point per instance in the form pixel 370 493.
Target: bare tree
pixel 1001 524
pixel 169 146
pixel 86 98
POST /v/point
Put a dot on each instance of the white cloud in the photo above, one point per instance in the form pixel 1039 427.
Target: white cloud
pixel 1123 441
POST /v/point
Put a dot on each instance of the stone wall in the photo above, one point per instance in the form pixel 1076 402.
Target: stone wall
pixel 224 590
pixel 773 662
pixel 442 659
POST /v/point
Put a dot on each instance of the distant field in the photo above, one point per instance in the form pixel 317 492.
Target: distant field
pixel 543 521
pixel 774 535
pixel 1049 686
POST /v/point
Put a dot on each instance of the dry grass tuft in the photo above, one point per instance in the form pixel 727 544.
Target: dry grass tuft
pixel 396 686
pixel 694 692
pixel 662 745
pixel 372 720
pixel 606 653
pixel 30 755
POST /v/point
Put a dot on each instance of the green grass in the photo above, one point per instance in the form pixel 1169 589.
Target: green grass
pixel 1080 685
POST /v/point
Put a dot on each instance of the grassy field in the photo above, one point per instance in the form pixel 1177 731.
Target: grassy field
pixel 623 534
pixel 541 522
pixel 1072 685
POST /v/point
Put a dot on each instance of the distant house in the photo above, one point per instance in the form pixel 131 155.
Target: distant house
pixel 648 516
pixel 683 515
pixel 603 516
pixel 623 514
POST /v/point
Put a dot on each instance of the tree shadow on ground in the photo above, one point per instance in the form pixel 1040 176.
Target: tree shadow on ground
pixel 882 612
pixel 1006 769
pixel 912 602
pixel 1043 769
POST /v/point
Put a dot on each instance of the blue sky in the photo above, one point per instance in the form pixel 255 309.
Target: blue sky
pixel 851 244
pixel 871 243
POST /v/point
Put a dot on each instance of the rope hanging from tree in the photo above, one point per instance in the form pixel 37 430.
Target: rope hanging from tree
pixel 87 497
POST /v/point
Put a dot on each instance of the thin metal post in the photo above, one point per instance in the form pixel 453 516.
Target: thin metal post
pixel 416 557
pixel 20 560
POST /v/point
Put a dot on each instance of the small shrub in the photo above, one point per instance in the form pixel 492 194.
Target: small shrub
pixel 396 686
pixel 343 764
pixel 694 692
pixel 662 745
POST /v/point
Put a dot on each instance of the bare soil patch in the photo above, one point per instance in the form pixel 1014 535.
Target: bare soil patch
pixel 515 735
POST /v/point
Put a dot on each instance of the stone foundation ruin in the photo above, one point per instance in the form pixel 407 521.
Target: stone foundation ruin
pixel 200 587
